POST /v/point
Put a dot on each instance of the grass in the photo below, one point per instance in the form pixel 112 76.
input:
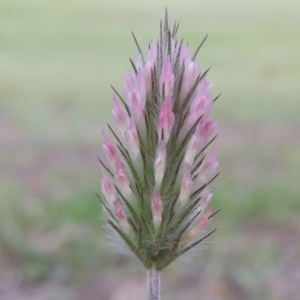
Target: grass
pixel 57 59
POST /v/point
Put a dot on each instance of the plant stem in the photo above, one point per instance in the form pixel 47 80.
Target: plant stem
pixel 153 284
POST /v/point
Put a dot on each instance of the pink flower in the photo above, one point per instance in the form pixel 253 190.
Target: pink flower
pixel 132 140
pixel 192 148
pixel 110 151
pixel 166 119
pixel 120 214
pixel 200 223
pixel 191 71
pixel 206 129
pixel 166 78
pixel 135 95
pixel 186 185
pixel 107 189
pixel 204 87
pixel 120 117
pixel 209 167
pixel 122 180
pixel 160 163
pixel 151 57
pixel 205 198
pixel 196 109
pixel 185 55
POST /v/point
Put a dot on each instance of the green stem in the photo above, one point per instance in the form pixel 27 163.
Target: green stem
pixel 153 284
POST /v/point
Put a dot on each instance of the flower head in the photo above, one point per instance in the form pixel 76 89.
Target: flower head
pixel 157 180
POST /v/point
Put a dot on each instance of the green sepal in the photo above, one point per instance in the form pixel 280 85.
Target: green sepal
pixel 199 47
pixel 129 206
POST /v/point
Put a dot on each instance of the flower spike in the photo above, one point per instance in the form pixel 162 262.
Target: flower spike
pixel 158 179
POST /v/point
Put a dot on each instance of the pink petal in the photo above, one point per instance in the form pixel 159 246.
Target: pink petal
pixel 152 53
pixel 209 167
pixel 120 117
pixel 205 198
pixel 167 77
pixel 109 150
pixel 166 119
pixel 160 163
pixel 128 81
pixel 211 164
pixel 122 180
pixel 107 189
pixel 204 87
pixel 186 185
pixel 196 109
pixel 191 149
pixel 137 97
pixel 121 215
pixel 202 222
pixel 185 55
pixel 132 139
pixel 191 73
pixel 151 58
pixel 207 128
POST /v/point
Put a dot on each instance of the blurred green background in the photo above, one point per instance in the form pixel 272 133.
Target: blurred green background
pixel 57 59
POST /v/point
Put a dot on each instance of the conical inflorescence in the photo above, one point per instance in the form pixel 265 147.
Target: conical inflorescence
pixel 156 177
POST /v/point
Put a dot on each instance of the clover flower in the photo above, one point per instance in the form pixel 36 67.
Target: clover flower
pixel 157 177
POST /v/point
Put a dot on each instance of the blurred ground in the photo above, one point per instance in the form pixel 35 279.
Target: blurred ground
pixel 57 59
